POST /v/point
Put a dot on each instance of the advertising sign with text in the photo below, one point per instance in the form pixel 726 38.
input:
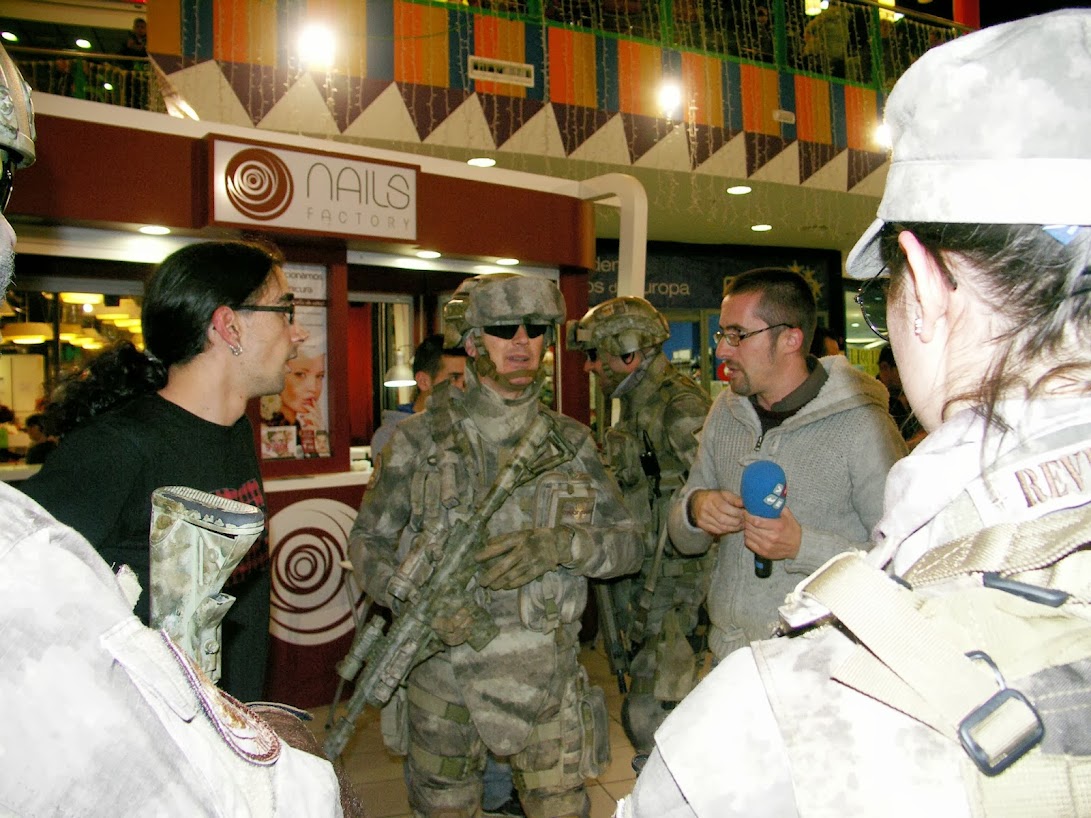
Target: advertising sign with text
pixel 274 188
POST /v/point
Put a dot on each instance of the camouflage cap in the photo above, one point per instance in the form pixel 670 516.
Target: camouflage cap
pixel 500 298
pixel 16 113
pixel 991 128
pixel 619 326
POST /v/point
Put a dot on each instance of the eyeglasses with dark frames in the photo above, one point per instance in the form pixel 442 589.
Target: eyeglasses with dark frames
pixel 285 309
pixel 508 331
pixel 872 300
pixel 734 338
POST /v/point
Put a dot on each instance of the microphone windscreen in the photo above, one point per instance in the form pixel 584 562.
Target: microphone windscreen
pixel 764 488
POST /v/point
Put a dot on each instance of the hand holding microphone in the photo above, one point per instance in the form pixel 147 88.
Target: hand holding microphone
pixel 764 489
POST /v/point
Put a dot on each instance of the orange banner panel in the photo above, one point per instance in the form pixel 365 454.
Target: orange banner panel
pixel 571 68
pixel 164 26
pixel 421 45
pixel 640 71
pixel 814 122
pixel 760 97
pixel 861 118
pixel 703 80
pixel 501 40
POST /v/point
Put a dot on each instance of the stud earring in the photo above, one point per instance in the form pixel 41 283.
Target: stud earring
pixel 236 351
pixel 918 324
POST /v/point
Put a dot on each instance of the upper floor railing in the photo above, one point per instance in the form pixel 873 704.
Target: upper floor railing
pixel 857 42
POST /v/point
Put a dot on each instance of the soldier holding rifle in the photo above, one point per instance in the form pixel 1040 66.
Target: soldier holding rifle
pixel 500 669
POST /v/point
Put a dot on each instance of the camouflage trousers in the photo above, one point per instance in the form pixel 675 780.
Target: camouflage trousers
pixel 669 643
pixel 447 755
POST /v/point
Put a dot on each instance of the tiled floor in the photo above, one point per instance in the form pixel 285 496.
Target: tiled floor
pixel 377 775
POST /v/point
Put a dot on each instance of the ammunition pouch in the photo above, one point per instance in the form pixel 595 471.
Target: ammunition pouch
pixel 554 599
pixel 595 728
pixel 623 452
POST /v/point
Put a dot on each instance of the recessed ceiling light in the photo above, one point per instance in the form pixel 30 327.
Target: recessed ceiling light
pixel 82 43
pixel 762 228
pixel 9 36
pixel 854 324
pixel 428 254
pixel 109 86
pixel 507 262
pixel 738 190
pixel 481 162
pixel 154 230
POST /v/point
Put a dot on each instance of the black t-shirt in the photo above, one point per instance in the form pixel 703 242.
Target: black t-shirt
pixel 101 477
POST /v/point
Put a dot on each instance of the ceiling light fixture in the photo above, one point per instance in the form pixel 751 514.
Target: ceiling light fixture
pixel 670 98
pixel 428 254
pixel 762 228
pixel 9 36
pixel 82 298
pixel 400 374
pixel 154 230
pixel 738 190
pixel 507 262
pixel 82 43
pixel 481 162
pixel 27 332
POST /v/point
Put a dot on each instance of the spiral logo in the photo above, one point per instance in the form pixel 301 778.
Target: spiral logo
pixel 259 184
pixel 310 603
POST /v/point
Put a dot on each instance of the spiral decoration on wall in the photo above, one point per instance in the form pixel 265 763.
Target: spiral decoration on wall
pixel 310 603
pixel 259 184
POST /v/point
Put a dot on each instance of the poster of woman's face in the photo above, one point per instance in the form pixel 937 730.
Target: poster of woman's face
pixel 302 404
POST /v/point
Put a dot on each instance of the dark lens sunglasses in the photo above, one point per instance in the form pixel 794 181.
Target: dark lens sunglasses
pixel 507 331
pixel 7 183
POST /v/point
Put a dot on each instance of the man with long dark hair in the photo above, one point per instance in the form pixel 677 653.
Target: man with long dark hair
pixel 219 325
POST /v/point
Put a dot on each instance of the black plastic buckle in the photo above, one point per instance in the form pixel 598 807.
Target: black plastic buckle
pixel 1004 695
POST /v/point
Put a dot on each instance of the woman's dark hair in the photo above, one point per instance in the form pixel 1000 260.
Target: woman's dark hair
pixel 1038 283
pixel 179 298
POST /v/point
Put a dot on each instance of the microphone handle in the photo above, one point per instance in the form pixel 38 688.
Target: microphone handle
pixel 763 567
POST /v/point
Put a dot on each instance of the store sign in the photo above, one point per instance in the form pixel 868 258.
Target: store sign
pixel 677 280
pixel 273 188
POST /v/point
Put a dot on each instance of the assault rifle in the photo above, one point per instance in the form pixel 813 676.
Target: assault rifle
pixel 616 651
pixel 438 575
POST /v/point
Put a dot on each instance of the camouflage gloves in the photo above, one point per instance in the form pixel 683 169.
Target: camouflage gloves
pixel 512 560
pixel 453 622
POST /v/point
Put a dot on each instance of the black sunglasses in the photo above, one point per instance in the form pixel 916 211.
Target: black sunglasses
pixel 7 182
pixel 286 309
pixel 872 299
pixel 507 331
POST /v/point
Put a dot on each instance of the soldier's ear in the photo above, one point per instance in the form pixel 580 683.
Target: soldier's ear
pixel 468 345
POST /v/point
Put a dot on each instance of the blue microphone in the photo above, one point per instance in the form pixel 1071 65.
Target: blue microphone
pixel 764 488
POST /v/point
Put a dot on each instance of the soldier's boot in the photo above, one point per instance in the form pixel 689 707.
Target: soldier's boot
pixel 641 715
pixel 570 804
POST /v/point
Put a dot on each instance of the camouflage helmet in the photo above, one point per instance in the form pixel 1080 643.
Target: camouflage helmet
pixel 619 326
pixel 16 113
pixel 501 298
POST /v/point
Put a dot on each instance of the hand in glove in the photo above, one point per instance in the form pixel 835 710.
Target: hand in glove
pixel 512 560
pixel 452 623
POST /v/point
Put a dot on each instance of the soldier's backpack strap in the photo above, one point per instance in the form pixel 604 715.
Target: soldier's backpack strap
pixel 955 661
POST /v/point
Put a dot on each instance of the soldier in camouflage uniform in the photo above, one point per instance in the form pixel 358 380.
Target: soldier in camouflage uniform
pixel 523 695
pixel 649 451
